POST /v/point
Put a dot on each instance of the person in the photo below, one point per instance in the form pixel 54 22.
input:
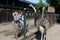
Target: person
pixel 22 23
pixel 21 20
pixel 15 21
pixel 18 19
pixel 35 17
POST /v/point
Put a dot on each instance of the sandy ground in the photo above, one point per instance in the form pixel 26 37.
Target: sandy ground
pixel 52 34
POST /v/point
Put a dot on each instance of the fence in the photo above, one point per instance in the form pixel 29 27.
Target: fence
pixel 6 14
pixel 51 17
pixel 57 17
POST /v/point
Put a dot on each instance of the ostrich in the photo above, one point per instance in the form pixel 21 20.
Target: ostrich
pixel 42 26
pixel 41 23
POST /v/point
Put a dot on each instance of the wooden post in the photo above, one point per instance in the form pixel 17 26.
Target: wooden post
pixel 43 11
pixel 51 11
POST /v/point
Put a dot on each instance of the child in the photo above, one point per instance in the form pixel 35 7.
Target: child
pixel 15 17
pixel 16 21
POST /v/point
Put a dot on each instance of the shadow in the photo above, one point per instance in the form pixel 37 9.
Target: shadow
pixel 38 35
pixel 21 34
pixel 58 21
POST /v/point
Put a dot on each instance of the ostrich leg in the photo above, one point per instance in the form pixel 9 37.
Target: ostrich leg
pixel 42 32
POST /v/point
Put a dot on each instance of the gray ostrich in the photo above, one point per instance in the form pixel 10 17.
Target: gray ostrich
pixel 42 24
